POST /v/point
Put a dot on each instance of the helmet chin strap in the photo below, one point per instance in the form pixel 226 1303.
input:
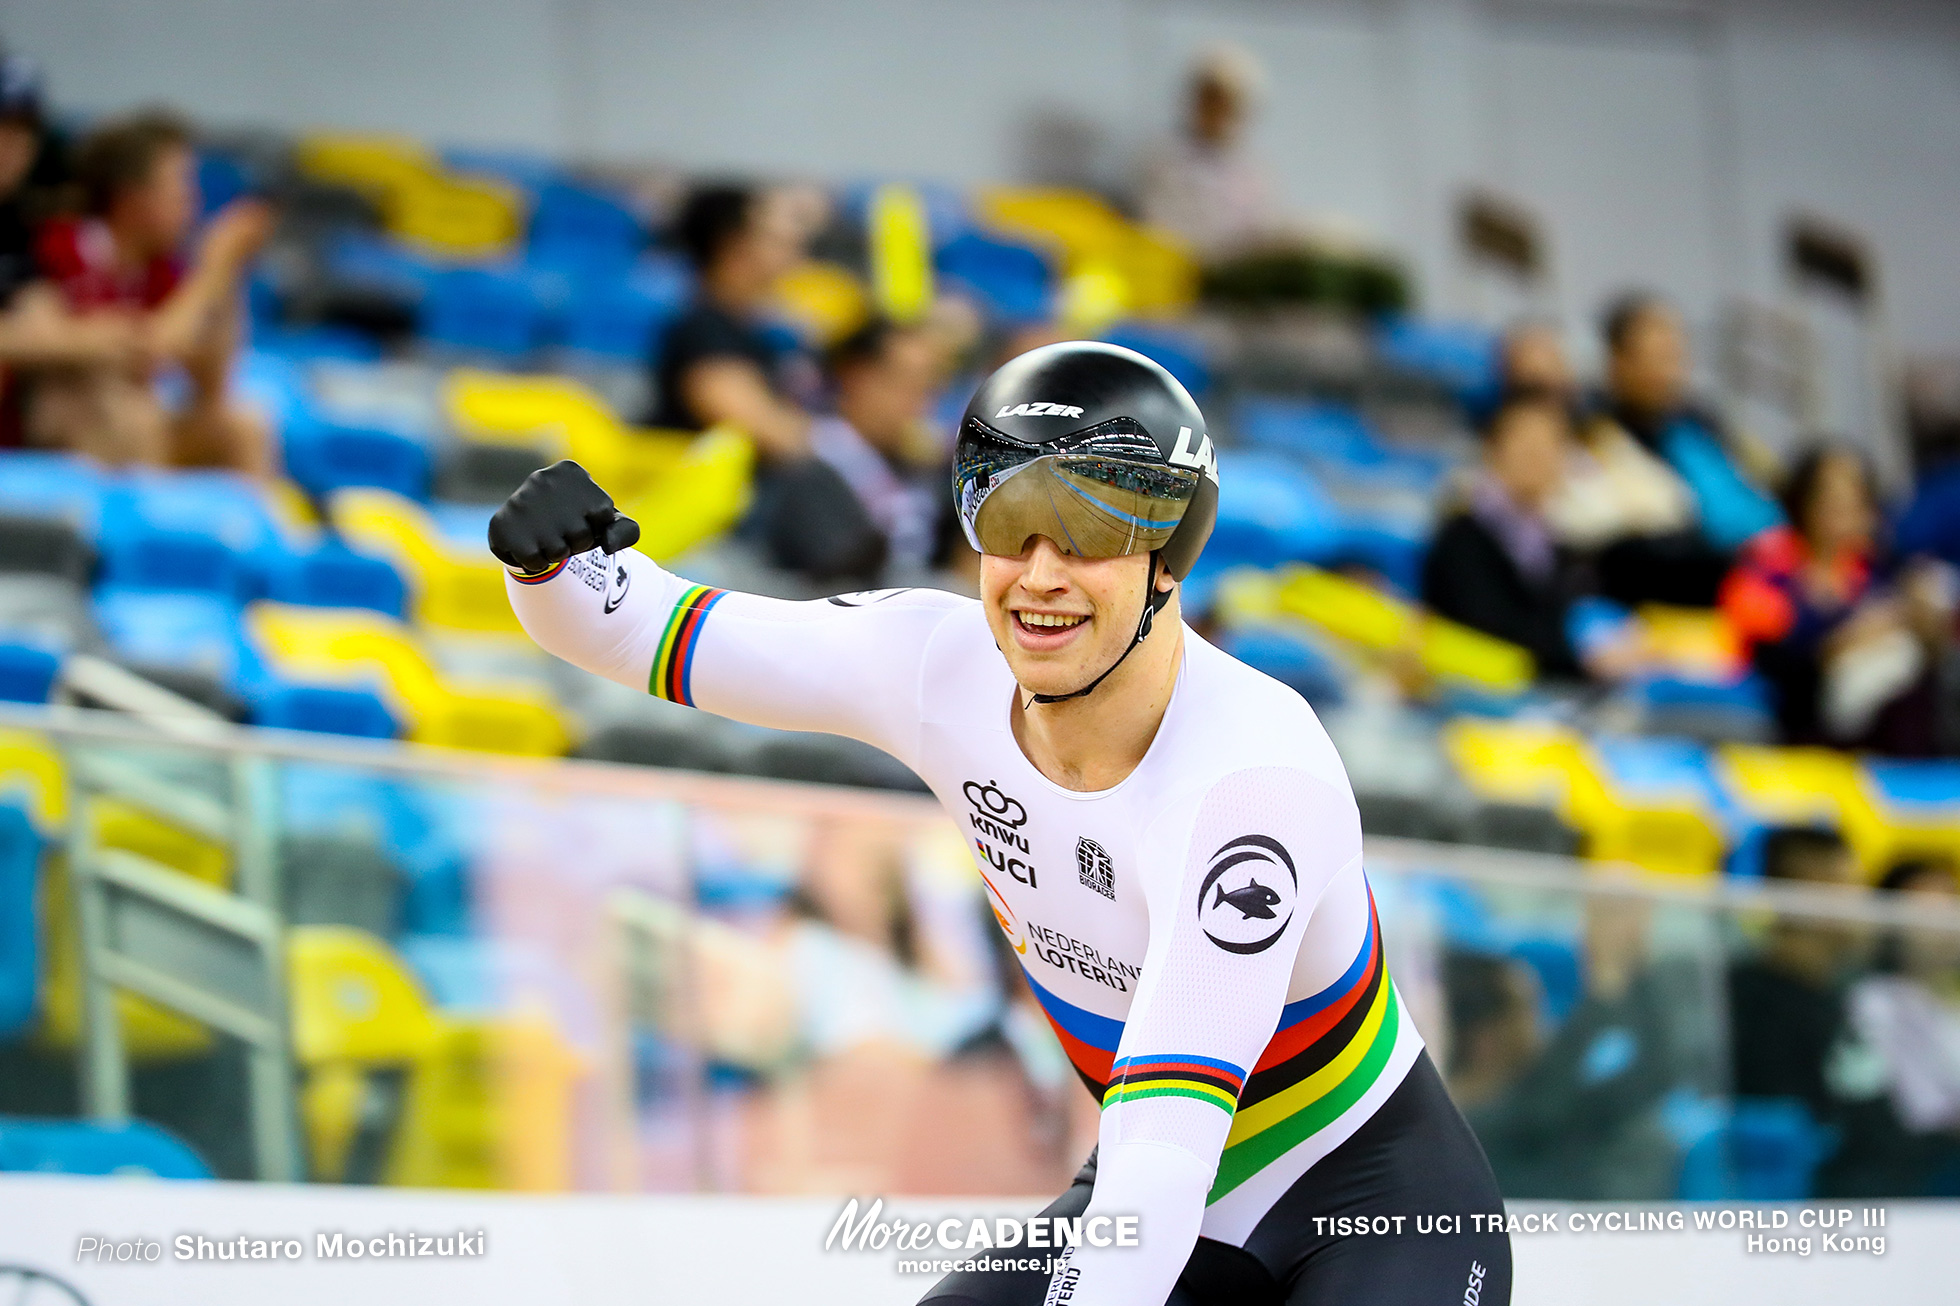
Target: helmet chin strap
pixel 1154 600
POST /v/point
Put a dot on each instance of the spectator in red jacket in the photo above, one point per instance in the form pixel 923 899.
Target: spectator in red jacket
pixel 119 267
pixel 1852 661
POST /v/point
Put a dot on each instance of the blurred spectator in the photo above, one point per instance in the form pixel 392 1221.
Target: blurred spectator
pixel 1201 184
pixel 1784 1006
pixel 21 138
pixel 1617 504
pixel 1493 1014
pixel 1850 663
pixel 118 269
pixel 1572 1112
pixel 1647 397
pixel 717 362
pixel 1531 356
pixel 1789 1032
pixel 35 329
pixel 1494 565
pixel 884 378
pixel 1908 1013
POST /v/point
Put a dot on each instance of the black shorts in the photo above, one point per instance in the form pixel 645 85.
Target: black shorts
pixel 1414 1157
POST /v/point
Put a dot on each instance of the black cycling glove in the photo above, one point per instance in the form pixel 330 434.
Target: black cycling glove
pixel 557 512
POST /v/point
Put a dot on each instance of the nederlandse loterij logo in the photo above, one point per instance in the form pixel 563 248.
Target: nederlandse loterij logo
pixel 1246 900
pixel 1039 410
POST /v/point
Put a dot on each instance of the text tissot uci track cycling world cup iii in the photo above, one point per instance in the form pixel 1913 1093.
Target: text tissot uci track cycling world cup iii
pixel 1246 899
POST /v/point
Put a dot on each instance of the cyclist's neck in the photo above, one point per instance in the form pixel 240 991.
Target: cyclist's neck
pixel 1093 743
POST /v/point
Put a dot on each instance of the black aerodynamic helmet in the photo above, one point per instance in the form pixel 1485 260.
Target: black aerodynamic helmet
pixel 1092 445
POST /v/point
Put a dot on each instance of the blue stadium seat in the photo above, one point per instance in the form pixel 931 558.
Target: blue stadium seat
pixel 622 317
pixel 1178 352
pixel 1013 283
pixel 423 829
pixel 1289 660
pixel 1338 444
pixel 53 485
pixel 493 309
pixel 20 920
pixel 1461 355
pixel 365 261
pixel 205 633
pixel 324 454
pixel 333 576
pixel 528 172
pixel 1767 1150
pixel 1270 511
pixel 209 531
pixel 583 230
pixel 27 672
pixel 77 1147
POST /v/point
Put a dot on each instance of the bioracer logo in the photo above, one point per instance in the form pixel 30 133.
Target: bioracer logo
pixel 1039 410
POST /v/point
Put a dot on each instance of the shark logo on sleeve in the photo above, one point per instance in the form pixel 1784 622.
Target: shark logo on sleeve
pixel 1254 899
pixel 1247 897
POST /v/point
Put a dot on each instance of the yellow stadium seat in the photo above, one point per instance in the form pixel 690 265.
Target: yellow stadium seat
pixel 1546 764
pixel 565 418
pixel 1810 786
pixel 461 217
pixel 1693 643
pixel 378 166
pixel 697 498
pixel 447 213
pixel 485 1102
pixel 900 236
pixel 1380 622
pixel 450 584
pixel 31 772
pixel 354 644
pixel 825 299
pixel 150 1032
pixel 355 1009
pixel 353 999
pixel 1155 271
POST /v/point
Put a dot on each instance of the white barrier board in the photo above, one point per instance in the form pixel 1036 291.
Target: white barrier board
pixel 543 1251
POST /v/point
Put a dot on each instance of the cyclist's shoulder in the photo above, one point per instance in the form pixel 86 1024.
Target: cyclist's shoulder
pixel 1248 719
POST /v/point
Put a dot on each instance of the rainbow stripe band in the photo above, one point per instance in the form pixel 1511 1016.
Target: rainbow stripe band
pixel 1328 1052
pixel 543 576
pixel 672 674
pixel 1204 1078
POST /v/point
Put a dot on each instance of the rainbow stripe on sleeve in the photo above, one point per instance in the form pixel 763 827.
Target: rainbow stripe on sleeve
pixel 1205 1078
pixel 672 675
pixel 541 577
pixel 1328 1051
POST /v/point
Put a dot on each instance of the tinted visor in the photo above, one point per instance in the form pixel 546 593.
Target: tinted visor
pixel 1101 493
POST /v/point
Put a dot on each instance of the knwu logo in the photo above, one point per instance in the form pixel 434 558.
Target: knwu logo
pixel 1038 410
pixel 1246 900
pixel 1000 818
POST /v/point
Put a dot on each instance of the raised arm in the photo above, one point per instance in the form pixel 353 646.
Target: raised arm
pixel 846 666
pixel 1245 864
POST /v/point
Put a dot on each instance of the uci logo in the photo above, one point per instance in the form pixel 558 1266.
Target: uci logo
pixel 1246 900
pixel 1038 410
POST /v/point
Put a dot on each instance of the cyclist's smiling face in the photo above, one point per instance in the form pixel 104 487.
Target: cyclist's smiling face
pixel 1062 620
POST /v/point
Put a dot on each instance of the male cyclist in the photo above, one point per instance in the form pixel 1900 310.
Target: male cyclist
pixel 1167 838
